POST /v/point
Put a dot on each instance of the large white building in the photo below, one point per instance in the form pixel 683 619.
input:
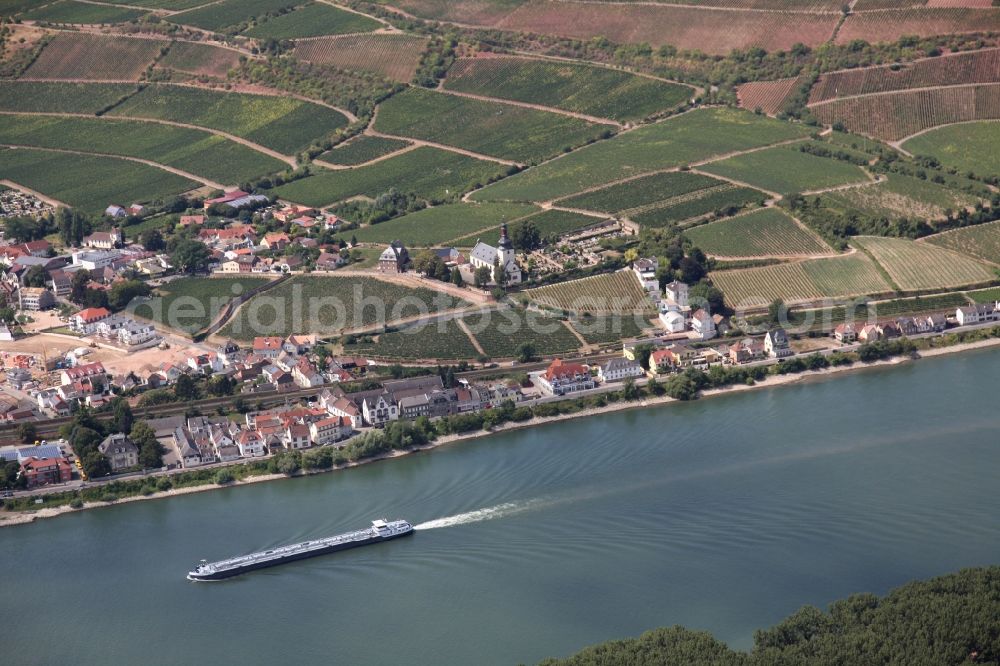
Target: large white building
pixel 502 256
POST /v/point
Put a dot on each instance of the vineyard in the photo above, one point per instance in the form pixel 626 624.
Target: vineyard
pixel 899 196
pixel 600 294
pixel 947 70
pixel 313 20
pixel 200 59
pixel 559 222
pixel 719 201
pixel 501 332
pixel 810 280
pixel 442 224
pixel 427 172
pixel 786 170
pixel 981 241
pixel 768 96
pixel 690 137
pixel 191 304
pixel 893 116
pixel 89 182
pixel 36 97
pixel 715 32
pixel 592 90
pixel 761 233
pixel 611 330
pixel 328 305
pixel 914 266
pixel 392 56
pixel 194 151
pixel 68 11
pixel 888 26
pixel 643 191
pixel 431 340
pixel 972 147
pixel 284 124
pixel 83 56
pixel 363 148
pixel 219 15
pixel 490 128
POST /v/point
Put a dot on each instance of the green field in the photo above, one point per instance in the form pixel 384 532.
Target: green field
pixel 440 339
pixel 810 280
pixel 327 305
pixel 428 172
pixel 229 13
pixel 722 200
pixel 500 333
pixel 313 20
pixel 968 147
pixel 595 91
pixel 761 233
pixel 913 265
pixel 68 11
pixel 489 128
pixel 612 329
pixel 362 149
pixel 284 124
pixel 194 151
pixel 639 192
pixel 991 295
pixel 899 196
pixel 442 224
pixel 981 241
pixel 787 170
pixel 191 304
pixel 174 5
pixel 89 182
pixel 40 97
pixel 689 137
pixel 599 294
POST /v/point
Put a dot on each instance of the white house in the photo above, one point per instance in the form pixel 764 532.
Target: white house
pixel 561 378
pixel 328 431
pixel 251 444
pixel 703 325
pixel 974 314
pixel 619 369
pixel 95 259
pixel 645 272
pixel 380 409
pixel 776 344
pixel 487 256
pixel 135 333
pixel 104 240
pixel 677 293
pixel 671 318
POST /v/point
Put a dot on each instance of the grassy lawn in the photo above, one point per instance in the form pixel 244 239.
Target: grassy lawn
pixel 756 234
pixel 312 20
pixel 327 305
pixel 280 123
pixel 595 91
pixel 968 147
pixel 195 151
pixel 427 172
pixel 90 182
pixel 442 224
pixel 490 128
pixel 689 137
pixel 786 170
pixel 191 304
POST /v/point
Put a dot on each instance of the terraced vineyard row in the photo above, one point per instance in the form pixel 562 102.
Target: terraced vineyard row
pixel 393 56
pixel 981 241
pixel 363 149
pixel 723 200
pixel 970 67
pixel 761 233
pixel 601 294
pixel 96 57
pixel 639 192
pixel 915 266
pixel 440 339
pixel 768 96
pixel 893 116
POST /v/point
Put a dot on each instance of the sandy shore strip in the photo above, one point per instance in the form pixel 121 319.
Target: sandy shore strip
pixel 771 381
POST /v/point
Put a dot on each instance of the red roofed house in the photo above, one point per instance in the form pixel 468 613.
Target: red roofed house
pixel 288 213
pixel 36 248
pixel 267 347
pixel 45 471
pixel 85 321
pixel 192 220
pixel 225 198
pixel 81 372
pixel 561 378
pixel 328 431
pixel 276 240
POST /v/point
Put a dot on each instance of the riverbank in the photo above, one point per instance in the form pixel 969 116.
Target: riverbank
pixel 771 381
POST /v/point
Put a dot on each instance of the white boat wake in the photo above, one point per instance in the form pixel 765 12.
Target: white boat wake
pixel 479 515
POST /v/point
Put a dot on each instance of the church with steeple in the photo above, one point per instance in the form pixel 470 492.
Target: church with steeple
pixel 501 256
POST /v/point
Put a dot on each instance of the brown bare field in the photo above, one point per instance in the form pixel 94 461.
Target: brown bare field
pixel 713 31
pixel 967 67
pixel 472 12
pixel 959 3
pixel 888 26
pixel 392 56
pixel 95 57
pixel 200 59
pixel 768 96
pixel 893 116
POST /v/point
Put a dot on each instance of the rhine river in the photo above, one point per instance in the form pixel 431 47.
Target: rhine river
pixel 724 514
